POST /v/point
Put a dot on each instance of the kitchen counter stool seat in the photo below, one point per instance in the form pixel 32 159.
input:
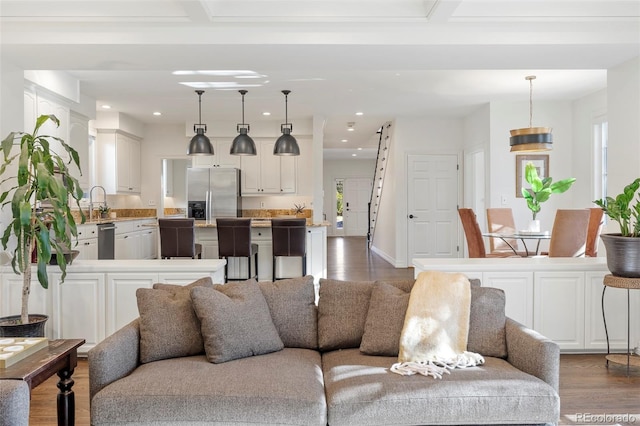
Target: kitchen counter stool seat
pixel 289 238
pixel 234 240
pixel 178 238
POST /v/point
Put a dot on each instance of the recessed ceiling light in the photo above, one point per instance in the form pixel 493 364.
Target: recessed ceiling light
pixel 157 113
pixel 354 155
pixel 106 106
pixel 350 126
pixel 266 113
pixel 344 140
pixel 221 73
pixel 359 113
pixel 220 85
pixel 359 149
pixel 350 129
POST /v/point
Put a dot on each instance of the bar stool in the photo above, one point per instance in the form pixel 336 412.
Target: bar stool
pixel 234 240
pixel 178 238
pixel 289 238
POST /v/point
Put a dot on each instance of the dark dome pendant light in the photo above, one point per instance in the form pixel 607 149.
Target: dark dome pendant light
pixel 200 144
pixel 286 144
pixel 243 144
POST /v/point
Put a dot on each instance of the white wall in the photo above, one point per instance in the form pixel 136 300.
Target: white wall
pixel 335 169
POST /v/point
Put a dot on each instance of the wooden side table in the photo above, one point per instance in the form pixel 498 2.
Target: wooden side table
pixel 61 357
pixel 628 284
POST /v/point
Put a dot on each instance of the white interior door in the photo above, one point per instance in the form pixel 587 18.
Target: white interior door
pixel 357 192
pixel 432 202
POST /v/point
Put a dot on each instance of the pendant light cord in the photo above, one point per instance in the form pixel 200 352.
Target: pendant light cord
pixel 531 103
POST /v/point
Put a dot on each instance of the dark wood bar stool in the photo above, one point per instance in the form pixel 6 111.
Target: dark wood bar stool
pixel 289 238
pixel 178 238
pixel 234 240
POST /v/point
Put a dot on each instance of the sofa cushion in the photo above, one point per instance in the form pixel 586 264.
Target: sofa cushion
pixel 284 387
pixel 342 313
pixel 361 390
pixel 293 310
pixel 487 334
pixel 169 326
pixel 235 321
pixel 385 319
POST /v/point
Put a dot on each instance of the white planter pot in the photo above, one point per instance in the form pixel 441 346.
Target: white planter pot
pixel 534 226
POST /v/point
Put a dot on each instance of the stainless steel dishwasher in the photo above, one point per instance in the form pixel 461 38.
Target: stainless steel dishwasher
pixel 106 240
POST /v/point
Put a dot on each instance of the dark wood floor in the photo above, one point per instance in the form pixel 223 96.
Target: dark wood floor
pixel 587 387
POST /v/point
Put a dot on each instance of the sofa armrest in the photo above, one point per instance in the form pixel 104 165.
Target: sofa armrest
pixel 14 403
pixel 114 358
pixel 533 353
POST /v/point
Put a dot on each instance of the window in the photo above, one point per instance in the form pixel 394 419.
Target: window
pixel 339 188
pixel 600 137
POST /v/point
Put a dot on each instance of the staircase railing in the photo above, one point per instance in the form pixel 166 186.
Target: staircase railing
pixel 378 180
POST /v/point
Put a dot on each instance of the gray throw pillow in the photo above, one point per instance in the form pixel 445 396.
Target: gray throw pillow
pixel 385 319
pixel 487 320
pixel 293 310
pixel 342 313
pixel 204 282
pixel 169 327
pixel 235 321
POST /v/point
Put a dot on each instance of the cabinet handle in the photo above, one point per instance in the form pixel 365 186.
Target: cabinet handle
pixel 126 236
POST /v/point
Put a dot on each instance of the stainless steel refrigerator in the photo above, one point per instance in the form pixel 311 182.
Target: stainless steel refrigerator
pixel 213 192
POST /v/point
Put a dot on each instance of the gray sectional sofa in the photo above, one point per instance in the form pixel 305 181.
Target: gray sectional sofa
pixel 14 403
pixel 326 364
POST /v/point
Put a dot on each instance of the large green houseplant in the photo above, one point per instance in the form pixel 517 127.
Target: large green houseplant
pixel 623 248
pixel 38 196
pixel 541 189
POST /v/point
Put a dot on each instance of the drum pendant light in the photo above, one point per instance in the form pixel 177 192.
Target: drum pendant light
pixel 531 139
pixel 243 144
pixel 200 144
pixel 286 144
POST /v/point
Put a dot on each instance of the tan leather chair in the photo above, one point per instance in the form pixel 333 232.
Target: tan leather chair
pixel 500 221
pixel 475 241
pixel 569 233
pixel 234 240
pixel 178 238
pixel 596 220
pixel 289 238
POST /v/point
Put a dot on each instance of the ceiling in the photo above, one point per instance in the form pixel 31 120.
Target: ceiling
pixel 384 58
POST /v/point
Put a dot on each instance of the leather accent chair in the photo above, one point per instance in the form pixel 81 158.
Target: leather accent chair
pixel 289 238
pixel 178 238
pixel 234 240
pixel 596 220
pixel 569 233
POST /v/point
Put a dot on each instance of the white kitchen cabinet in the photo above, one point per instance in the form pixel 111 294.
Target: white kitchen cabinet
pixel 220 158
pixel 518 291
pixel 126 241
pixel 118 168
pixel 78 307
pixel 37 104
pixel 79 140
pixel 558 300
pixel 87 242
pixel 147 238
pixel 266 173
pixel 121 300
pixel 11 295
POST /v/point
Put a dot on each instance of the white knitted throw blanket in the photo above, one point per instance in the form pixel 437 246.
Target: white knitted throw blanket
pixel 436 327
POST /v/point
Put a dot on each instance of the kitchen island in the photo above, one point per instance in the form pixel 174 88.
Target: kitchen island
pixel 98 296
pixel 207 235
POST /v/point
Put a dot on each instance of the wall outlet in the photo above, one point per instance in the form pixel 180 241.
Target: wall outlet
pixel 262 204
pixel 504 200
pixel 152 202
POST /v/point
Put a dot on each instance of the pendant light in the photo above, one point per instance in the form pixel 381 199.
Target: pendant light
pixel 531 139
pixel 286 144
pixel 243 144
pixel 200 144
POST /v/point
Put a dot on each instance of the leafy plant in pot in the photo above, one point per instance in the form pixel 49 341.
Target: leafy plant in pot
pixel 540 191
pixel 623 248
pixel 42 175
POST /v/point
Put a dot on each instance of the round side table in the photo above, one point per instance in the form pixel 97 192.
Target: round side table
pixel 628 284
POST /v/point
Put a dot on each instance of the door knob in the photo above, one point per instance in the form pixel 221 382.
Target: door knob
pixel 412 216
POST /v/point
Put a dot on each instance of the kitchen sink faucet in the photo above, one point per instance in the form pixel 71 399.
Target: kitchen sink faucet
pixel 104 199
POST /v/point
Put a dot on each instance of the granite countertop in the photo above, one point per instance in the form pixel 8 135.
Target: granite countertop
pixel 98 221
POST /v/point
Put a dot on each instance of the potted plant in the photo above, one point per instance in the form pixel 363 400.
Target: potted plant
pixel 42 177
pixel 623 248
pixel 104 211
pixel 540 191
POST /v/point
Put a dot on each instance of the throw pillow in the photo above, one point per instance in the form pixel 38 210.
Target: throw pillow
pixel 204 281
pixel 487 319
pixel 169 327
pixel 385 319
pixel 293 310
pixel 342 313
pixel 235 321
